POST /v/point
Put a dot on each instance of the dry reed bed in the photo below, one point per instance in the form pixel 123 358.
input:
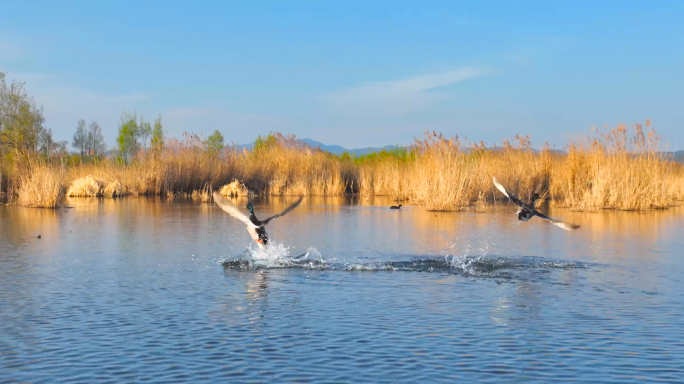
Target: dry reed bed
pixel 90 186
pixel 42 187
pixel 612 172
pixel 235 189
pixel 441 175
pixel 289 168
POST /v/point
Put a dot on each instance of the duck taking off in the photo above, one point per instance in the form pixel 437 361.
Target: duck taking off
pixel 395 207
pixel 527 211
pixel 255 227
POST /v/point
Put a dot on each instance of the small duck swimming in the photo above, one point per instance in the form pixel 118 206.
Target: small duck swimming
pixel 395 207
pixel 527 211
pixel 255 227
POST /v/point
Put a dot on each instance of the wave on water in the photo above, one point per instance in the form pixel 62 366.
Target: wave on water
pixel 278 256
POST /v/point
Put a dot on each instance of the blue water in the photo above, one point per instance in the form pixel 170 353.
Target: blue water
pixel 158 291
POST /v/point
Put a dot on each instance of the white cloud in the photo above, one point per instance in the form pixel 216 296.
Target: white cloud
pixel 382 106
pixel 63 106
pixel 398 97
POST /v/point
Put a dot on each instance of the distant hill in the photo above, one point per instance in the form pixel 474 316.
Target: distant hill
pixel 338 150
pixel 676 156
pixel 334 149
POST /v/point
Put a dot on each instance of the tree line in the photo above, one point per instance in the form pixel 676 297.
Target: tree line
pixel 23 134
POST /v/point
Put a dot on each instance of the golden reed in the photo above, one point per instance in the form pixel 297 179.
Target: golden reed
pixel 610 171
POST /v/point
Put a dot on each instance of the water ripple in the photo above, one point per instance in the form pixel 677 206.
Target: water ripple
pixel 131 292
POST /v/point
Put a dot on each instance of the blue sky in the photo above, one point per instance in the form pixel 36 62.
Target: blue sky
pixel 356 74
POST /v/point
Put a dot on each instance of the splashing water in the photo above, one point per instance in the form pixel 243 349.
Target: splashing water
pixel 273 256
pixel 482 265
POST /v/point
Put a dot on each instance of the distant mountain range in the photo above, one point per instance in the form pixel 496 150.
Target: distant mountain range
pixel 335 149
pixel 677 156
pixel 338 150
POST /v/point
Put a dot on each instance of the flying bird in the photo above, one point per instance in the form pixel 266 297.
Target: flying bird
pixel 527 211
pixel 255 227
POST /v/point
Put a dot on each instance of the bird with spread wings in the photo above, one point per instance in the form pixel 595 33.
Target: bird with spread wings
pixel 527 211
pixel 255 227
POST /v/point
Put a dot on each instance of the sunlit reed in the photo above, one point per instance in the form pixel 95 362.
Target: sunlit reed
pixel 610 171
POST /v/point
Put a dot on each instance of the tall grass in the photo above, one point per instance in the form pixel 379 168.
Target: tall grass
pixel 41 187
pixel 613 171
pixel 442 175
pixel 282 166
pixel 285 166
pixel 385 173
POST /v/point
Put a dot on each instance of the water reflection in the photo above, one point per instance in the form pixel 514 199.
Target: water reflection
pixel 21 225
pixel 131 290
pixel 647 225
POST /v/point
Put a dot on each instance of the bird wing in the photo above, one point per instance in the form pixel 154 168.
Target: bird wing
pixel 233 210
pixel 252 232
pixel 511 196
pixel 287 210
pixel 566 226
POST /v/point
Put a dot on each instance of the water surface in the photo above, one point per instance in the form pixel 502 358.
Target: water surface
pixel 159 290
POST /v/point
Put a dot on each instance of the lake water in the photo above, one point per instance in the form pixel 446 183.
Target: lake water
pixel 157 290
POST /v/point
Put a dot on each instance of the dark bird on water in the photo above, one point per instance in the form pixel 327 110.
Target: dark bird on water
pixel 527 211
pixel 255 227
pixel 38 236
pixel 396 207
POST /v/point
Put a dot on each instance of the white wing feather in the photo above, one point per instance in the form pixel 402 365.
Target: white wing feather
pixel 566 226
pixel 558 223
pixel 253 233
pixel 499 186
pixel 233 211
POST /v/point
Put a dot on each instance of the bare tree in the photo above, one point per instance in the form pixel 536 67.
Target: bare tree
pixel 145 131
pixel 96 144
pixel 80 141
pixel 46 143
